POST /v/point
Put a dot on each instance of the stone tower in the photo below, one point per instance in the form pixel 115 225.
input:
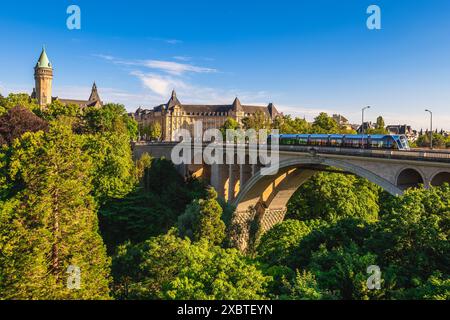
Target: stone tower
pixel 43 75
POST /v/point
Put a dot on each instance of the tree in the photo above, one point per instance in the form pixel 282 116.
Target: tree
pixel 258 121
pixel 323 123
pixel 287 125
pixel 277 243
pixel 155 131
pixel 151 131
pixel 303 287
pixel 174 268
pixel 18 99
pixel 202 220
pixel 111 118
pixel 333 196
pixel 439 141
pixel 16 122
pixel 151 209
pixel 380 127
pixel 229 124
pixel 114 174
pixel 50 222
pixel 58 109
pixel 412 237
pixel 343 271
pixel 380 123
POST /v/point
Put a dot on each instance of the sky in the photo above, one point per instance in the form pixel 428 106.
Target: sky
pixel 305 56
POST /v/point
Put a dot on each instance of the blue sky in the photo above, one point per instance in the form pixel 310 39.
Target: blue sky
pixel 306 56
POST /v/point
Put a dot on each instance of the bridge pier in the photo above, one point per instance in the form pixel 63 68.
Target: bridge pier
pixel 234 174
pixel 248 226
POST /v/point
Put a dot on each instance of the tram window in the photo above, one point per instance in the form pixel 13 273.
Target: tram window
pixel 377 144
pixel 336 142
pixel 318 141
pixel 289 141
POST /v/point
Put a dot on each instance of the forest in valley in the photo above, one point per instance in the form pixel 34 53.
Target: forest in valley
pixel 72 195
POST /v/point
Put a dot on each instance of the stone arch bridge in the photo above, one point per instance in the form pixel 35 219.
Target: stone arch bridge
pixel 261 199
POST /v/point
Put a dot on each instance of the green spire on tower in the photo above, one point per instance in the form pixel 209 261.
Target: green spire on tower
pixel 43 61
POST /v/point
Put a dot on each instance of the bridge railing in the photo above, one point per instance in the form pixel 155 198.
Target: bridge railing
pixel 421 155
pixel 415 154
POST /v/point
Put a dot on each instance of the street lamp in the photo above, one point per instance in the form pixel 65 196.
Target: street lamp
pixel 362 127
pixel 431 128
pixel 362 124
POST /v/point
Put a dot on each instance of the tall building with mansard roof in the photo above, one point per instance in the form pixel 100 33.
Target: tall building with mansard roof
pixel 175 115
pixel 43 76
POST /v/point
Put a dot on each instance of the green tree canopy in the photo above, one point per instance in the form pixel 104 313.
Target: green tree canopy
pixel 333 196
pixel 18 99
pixel 174 268
pixel 111 118
pixel 202 220
pixel 258 121
pixel 50 222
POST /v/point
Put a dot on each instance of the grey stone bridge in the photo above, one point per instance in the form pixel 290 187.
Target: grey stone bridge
pixel 260 199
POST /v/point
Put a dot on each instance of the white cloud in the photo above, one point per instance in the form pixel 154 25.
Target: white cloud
pixel 175 68
pixel 173 41
pixel 182 58
pixel 161 85
pixel 170 67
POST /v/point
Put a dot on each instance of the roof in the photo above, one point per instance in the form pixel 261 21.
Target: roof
pixel 173 101
pixel 94 94
pixel 94 99
pixel 236 106
pixel 81 103
pixel 43 61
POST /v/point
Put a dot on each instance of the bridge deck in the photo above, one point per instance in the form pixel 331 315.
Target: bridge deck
pixel 413 155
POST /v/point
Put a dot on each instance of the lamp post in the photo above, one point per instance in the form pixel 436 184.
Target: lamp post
pixel 362 127
pixel 362 124
pixel 431 128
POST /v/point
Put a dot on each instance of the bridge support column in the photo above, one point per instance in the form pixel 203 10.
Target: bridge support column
pixel 219 179
pixel 245 174
pixel 234 181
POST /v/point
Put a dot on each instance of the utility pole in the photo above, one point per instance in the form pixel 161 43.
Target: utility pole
pixel 431 128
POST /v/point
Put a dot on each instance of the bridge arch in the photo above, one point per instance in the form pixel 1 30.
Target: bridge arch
pixel 263 199
pixel 287 169
pixel 409 178
pixel 440 178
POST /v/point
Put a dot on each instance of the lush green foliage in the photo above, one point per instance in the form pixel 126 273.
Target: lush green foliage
pixel 409 243
pixel 202 220
pixel 439 141
pixel 168 234
pixel 333 196
pixel 150 210
pixel 17 100
pixel 49 222
pixel 152 131
pixel 111 118
pixel 258 121
pixel 380 127
pixel 174 268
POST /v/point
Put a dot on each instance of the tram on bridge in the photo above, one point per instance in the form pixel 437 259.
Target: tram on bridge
pixel 355 141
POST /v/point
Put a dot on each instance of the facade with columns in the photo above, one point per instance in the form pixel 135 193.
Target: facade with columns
pixel 174 115
pixel 42 92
